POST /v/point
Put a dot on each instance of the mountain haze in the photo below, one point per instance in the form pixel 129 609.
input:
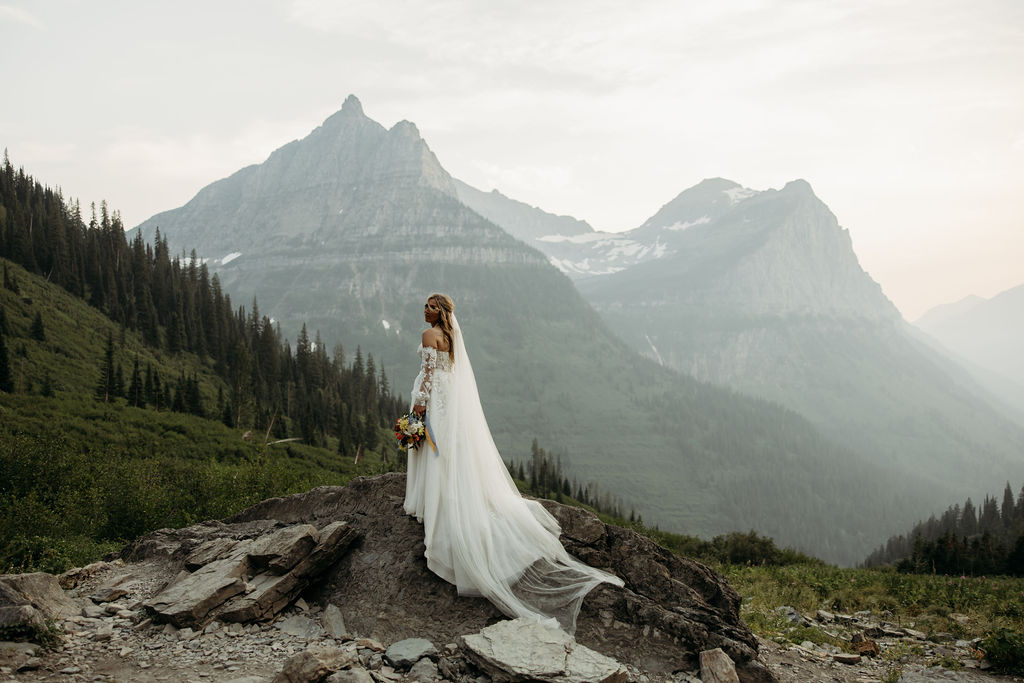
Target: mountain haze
pixel 352 227
pixel 987 335
pixel 762 292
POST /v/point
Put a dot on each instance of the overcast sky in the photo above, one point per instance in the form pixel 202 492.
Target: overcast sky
pixel 905 116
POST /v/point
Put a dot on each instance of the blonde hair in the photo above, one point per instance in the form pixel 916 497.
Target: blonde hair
pixel 446 309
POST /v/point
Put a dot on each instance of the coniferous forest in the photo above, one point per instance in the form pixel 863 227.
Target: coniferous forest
pixel 135 395
pixel 176 307
pixel 966 540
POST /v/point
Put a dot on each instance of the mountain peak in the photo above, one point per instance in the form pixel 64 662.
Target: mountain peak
pixel 702 203
pixel 405 129
pixel 719 184
pixel 352 106
pixel 798 186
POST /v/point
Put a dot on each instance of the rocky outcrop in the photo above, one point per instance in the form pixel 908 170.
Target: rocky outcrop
pixel 250 580
pixel 341 569
pixel 669 611
pixel 28 602
pixel 353 547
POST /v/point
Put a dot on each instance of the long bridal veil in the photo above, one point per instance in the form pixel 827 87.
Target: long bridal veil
pixel 482 535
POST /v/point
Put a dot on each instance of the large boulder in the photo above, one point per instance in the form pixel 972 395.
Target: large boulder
pixel 41 590
pixel 28 602
pixel 530 650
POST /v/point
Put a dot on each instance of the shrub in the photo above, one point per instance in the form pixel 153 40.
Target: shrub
pixel 1004 650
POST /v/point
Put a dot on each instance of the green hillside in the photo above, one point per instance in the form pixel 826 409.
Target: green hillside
pixel 79 476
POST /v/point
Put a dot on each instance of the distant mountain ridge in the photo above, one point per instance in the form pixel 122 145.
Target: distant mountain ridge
pixel 988 334
pixel 355 253
pixel 305 188
pixel 761 291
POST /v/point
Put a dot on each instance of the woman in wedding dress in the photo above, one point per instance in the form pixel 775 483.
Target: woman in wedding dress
pixel 481 534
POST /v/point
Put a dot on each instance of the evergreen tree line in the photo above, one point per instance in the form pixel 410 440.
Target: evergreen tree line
pixel 176 307
pixel 969 540
pixel 545 478
pixel 6 383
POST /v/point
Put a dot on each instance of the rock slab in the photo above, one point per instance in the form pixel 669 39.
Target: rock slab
pixel 529 650
pixel 717 667
pixel 249 580
pixel 403 654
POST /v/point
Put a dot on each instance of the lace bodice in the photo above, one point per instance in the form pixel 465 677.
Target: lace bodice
pixel 435 370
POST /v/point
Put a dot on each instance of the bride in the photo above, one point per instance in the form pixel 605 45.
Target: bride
pixel 481 534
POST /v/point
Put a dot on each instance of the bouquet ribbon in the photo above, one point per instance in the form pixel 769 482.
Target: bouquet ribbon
pixel 429 431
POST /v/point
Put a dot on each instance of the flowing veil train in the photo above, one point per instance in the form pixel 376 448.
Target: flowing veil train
pixel 481 534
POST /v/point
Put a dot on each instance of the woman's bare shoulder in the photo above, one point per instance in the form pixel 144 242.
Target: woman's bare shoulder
pixel 432 337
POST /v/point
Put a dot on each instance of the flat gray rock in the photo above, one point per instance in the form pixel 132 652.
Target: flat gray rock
pixel 423 670
pixel 283 549
pixel 403 654
pixel 333 622
pixel 717 667
pixel 300 627
pixel 40 590
pixel 353 675
pixel 314 664
pixel 186 602
pixel 529 650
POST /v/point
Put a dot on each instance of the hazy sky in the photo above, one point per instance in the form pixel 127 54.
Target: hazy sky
pixel 906 116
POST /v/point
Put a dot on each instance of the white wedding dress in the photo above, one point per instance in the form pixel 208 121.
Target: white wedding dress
pixel 481 534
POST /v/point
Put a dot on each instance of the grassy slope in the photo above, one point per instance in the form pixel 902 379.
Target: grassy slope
pixel 79 477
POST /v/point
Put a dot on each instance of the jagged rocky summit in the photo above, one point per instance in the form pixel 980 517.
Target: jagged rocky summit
pixel 351 557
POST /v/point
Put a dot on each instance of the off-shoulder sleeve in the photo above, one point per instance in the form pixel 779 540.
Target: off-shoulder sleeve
pixel 422 394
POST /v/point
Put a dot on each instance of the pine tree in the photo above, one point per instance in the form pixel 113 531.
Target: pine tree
pixel 158 392
pixel 46 389
pixel 1006 511
pixel 178 403
pixel 105 386
pixel 37 331
pixel 193 399
pixel 5 367
pixel 149 397
pixel 968 520
pixel 119 381
pixel 135 388
pixel 988 517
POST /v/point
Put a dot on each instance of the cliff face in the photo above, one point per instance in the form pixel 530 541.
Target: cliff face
pixel 772 253
pixel 305 187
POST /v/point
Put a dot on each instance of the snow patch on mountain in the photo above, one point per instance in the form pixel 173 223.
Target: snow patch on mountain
pixel 654 348
pixel 738 194
pixel 583 267
pixel 583 238
pixel 230 257
pixel 680 226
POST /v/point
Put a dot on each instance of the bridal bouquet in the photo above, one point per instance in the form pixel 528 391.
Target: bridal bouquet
pixel 410 431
